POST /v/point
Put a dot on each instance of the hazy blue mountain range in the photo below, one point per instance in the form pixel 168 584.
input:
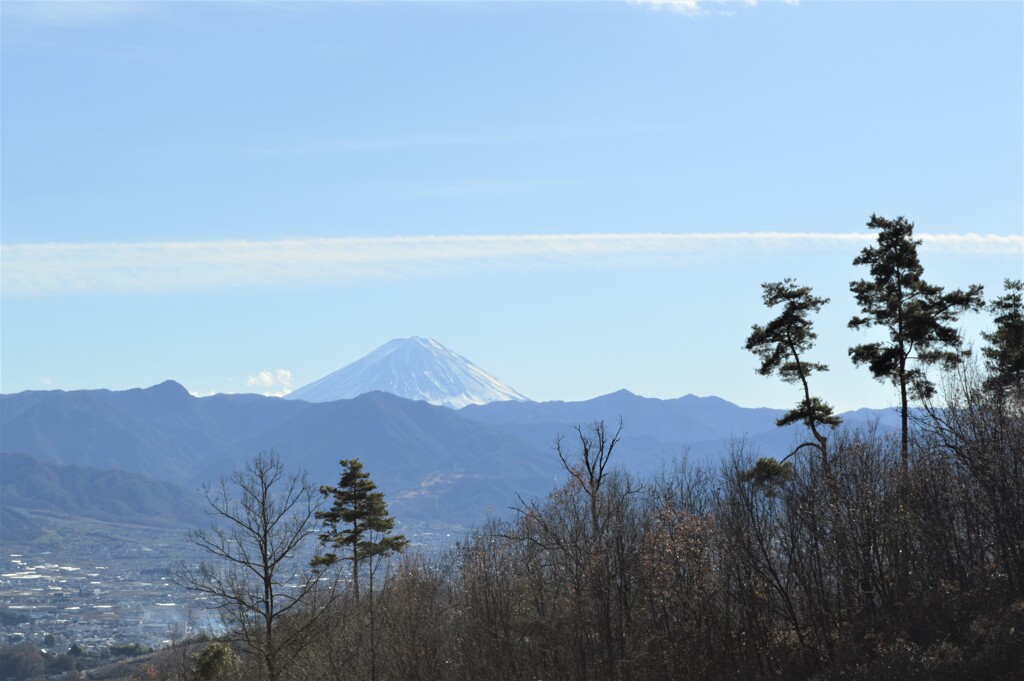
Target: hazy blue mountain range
pixel 99 493
pixel 656 430
pixel 163 431
pixel 432 464
pixel 435 464
pixel 414 368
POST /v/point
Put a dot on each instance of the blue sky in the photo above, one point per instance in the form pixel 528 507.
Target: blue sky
pixel 578 196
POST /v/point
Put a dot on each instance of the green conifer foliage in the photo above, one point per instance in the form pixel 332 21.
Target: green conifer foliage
pixel 1004 355
pixel 357 522
pixel 782 345
pixel 919 317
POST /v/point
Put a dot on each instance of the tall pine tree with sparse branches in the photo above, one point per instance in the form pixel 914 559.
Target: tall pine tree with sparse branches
pixel 919 317
pixel 782 345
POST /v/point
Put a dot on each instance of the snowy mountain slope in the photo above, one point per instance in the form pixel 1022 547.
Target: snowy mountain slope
pixel 413 368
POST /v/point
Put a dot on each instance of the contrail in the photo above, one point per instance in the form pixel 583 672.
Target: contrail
pixel 56 268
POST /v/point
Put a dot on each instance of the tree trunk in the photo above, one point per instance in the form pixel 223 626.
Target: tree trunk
pixel 355 560
pixel 902 545
pixel 373 637
pixel 268 621
pixel 904 423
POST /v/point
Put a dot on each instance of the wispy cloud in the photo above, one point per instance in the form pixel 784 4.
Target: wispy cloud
pixel 74 13
pixel 56 268
pixel 276 383
pixel 682 6
pixel 698 7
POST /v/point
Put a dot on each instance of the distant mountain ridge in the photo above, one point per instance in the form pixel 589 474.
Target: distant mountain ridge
pixel 435 465
pixel 98 493
pixel 432 464
pixel 656 430
pixel 414 368
pixel 162 431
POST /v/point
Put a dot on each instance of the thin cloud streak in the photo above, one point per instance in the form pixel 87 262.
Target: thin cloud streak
pixel 74 13
pixel 695 8
pixel 689 7
pixel 59 268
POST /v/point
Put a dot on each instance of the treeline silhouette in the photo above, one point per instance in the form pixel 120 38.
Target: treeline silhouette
pixel 752 570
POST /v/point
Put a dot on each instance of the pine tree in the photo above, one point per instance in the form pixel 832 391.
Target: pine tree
pixel 358 522
pixel 782 345
pixel 920 317
pixel 1004 356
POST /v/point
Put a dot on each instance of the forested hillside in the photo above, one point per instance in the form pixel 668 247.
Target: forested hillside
pixel 752 570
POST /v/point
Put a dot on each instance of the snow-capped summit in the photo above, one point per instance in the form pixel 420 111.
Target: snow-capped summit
pixel 414 368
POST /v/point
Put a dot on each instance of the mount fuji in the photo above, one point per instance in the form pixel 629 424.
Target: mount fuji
pixel 416 369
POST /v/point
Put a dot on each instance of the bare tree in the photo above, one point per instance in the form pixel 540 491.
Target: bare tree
pixel 588 467
pixel 262 518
